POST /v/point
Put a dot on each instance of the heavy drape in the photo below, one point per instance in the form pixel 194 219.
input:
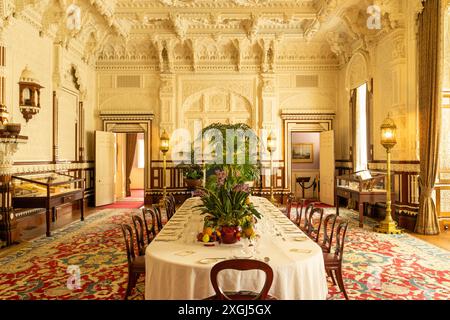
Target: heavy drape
pixel 131 150
pixel 430 64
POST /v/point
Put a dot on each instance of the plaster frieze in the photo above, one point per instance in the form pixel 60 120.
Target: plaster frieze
pixel 311 114
pixel 216 4
pixel 126 115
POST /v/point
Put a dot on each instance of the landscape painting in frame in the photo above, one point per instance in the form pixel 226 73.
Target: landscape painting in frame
pixel 302 152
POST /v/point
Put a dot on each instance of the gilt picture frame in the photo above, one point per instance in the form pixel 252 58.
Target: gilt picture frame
pixel 302 153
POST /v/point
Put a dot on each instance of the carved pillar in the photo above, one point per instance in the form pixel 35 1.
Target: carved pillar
pixel 81 148
pixel 399 99
pixel 8 147
pixel 167 102
pixel 268 100
pixel 56 77
pixel 2 72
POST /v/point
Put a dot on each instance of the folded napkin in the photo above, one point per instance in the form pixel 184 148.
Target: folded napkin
pixel 169 237
pixel 298 250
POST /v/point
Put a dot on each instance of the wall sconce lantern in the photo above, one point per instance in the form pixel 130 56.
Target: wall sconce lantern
pixel 29 94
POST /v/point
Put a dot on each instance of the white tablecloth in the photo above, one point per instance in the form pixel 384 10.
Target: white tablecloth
pixel 176 268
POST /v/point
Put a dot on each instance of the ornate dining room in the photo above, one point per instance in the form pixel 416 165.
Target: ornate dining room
pixel 224 150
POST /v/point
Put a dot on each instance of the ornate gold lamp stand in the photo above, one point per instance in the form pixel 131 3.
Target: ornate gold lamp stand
pixel 164 147
pixel 271 147
pixel 388 140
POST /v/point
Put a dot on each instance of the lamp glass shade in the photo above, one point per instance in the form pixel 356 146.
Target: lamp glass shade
pixel 388 133
pixel 271 143
pixel 164 142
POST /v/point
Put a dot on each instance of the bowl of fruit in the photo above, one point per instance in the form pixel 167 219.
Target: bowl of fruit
pixel 209 236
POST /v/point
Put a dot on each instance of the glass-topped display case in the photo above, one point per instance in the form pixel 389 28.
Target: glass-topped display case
pixel 36 185
pixel 362 180
pixel 47 190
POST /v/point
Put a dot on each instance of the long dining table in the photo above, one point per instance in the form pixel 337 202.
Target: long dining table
pixel 178 265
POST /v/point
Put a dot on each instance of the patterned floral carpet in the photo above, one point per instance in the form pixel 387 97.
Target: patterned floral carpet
pixel 376 266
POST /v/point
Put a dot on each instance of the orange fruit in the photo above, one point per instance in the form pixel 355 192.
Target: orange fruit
pixel 208 231
pixel 248 232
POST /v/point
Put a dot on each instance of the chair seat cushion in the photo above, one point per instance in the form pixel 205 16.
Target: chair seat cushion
pixel 138 264
pixel 331 260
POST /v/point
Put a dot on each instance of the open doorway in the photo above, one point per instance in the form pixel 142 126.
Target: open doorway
pixel 305 164
pixel 129 173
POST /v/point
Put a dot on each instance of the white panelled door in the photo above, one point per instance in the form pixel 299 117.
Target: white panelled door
pixel 327 167
pixel 105 159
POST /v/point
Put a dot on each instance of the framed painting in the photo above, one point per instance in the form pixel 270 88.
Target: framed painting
pixel 302 152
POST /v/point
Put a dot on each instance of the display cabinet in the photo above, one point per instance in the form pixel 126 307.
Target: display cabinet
pixel 363 187
pixel 49 191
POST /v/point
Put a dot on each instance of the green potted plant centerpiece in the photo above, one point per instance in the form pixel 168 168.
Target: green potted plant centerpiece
pixel 229 215
pixel 193 175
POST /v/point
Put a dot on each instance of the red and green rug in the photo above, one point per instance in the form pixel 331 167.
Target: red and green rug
pixel 376 266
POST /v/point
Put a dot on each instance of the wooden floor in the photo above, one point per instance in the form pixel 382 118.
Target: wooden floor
pixel 442 240
pixel 67 215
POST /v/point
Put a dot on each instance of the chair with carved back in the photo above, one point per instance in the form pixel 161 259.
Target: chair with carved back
pixel 289 205
pixel 241 265
pixel 136 264
pixel 138 224
pixel 157 213
pixel 333 260
pixel 313 227
pixel 173 201
pixel 169 207
pixel 328 232
pixel 299 212
pixel 307 213
pixel 150 230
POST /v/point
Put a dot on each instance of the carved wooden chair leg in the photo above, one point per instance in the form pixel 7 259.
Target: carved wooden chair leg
pixel 129 285
pixel 330 274
pixel 341 282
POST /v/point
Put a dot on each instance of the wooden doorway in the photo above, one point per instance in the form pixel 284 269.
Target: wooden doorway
pixel 140 123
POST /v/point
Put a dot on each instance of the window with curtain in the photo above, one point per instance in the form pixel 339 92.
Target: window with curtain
pixel 360 148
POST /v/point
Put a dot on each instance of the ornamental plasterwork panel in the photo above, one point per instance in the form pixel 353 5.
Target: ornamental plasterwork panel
pixel 357 71
pixel 308 99
pixel 242 87
pixel 128 101
pixel 215 105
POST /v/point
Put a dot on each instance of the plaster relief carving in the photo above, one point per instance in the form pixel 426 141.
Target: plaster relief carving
pixel 241 87
pixel 357 71
pixel 216 105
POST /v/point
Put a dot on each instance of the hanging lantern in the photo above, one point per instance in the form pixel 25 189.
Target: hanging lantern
pixel 29 94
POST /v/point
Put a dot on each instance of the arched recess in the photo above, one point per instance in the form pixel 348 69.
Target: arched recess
pixel 215 105
pixel 358 70
pixel 359 73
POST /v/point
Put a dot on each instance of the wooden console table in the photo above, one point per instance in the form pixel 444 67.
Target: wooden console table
pixel 362 197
